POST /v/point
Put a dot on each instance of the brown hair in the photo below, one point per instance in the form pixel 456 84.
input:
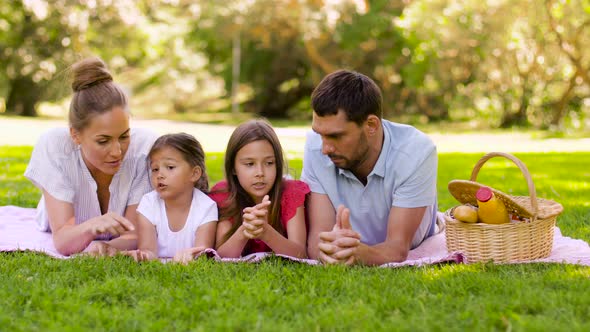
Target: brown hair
pixel 190 149
pixel 94 92
pixel 354 93
pixel 238 199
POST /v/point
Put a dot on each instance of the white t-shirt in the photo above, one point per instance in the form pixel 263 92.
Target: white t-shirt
pixel 57 166
pixel 203 210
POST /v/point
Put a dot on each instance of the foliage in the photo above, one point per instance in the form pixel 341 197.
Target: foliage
pixel 514 62
pixel 39 40
pixel 288 47
pixel 272 60
pixel 505 63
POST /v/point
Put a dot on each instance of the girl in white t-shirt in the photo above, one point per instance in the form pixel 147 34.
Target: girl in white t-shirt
pixel 177 219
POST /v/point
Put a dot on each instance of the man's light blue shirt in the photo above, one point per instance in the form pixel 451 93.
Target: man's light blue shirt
pixel 404 176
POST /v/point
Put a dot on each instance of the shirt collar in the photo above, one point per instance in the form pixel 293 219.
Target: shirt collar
pixel 84 168
pixel 381 165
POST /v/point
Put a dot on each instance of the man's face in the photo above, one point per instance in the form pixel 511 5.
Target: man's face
pixel 343 141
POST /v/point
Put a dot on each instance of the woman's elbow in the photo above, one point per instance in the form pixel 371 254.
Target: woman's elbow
pixel 66 250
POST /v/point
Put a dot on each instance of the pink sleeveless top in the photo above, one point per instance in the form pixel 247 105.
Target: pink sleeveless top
pixel 294 193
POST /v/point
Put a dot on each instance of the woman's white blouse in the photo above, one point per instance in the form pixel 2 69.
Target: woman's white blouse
pixel 57 167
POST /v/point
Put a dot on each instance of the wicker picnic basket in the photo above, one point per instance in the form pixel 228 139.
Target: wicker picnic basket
pixel 529 239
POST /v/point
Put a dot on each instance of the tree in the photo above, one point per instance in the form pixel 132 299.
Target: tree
pixel 512 63
pixel 273 62
pixel 289 45
pixel 39 40
pixel 364 36
pixel 569 22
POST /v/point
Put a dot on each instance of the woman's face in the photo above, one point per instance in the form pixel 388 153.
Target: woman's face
pixel 104 141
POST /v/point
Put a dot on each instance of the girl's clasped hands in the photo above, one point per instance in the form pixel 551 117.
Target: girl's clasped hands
pixel 255 219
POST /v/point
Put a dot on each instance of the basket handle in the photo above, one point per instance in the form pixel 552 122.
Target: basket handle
pixel 523 169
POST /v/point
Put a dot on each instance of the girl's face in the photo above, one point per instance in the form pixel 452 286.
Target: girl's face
pixel 171 175
pixel 255 168
pixel 104 142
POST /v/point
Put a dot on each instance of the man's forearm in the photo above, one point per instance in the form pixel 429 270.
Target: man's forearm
pixel 386 252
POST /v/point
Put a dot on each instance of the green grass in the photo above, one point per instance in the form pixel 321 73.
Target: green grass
pixel 42 293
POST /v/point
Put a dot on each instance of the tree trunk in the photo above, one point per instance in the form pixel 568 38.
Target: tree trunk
pixel 235 72
pixel 275 104
pixel 317 59
pixel 23 97
pixel 559 108
pixel 518 118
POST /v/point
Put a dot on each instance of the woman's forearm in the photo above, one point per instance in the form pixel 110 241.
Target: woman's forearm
pixel 72 239
pixel 127 241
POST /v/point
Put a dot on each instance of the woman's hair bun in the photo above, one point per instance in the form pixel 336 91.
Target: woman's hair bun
pixel 89 72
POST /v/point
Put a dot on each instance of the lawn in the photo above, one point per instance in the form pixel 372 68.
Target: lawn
pixel 41 293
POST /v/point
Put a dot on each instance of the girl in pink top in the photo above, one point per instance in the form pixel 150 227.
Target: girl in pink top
pixel 259 211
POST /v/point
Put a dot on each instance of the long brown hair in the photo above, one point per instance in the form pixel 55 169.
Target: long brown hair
pixel 238 199
pixel 190 149
pixel 95 92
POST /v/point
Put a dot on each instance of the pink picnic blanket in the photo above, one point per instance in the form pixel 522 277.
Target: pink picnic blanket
pixel 18 231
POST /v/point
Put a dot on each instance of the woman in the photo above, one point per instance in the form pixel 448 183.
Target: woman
pixel 93 175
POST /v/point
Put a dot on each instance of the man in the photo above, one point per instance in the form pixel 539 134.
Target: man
pixel 373 182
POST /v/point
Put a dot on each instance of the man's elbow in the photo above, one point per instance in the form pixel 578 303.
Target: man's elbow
pixel 399 257
pixel 397 254
pixel 387 253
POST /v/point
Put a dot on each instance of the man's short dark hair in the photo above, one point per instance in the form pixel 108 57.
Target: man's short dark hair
pixel 354 93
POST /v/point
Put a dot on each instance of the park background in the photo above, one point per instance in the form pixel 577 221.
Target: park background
pixel 482 64
pixel 477 76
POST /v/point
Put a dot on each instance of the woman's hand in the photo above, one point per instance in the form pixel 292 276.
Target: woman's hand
pixel 255 219
pixel 111 223
pixel 140 255
pixel 187 255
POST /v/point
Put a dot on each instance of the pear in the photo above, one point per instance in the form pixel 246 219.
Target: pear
pixel 465 213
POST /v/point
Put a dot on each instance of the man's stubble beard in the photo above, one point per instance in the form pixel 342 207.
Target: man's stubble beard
pixel 361 154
